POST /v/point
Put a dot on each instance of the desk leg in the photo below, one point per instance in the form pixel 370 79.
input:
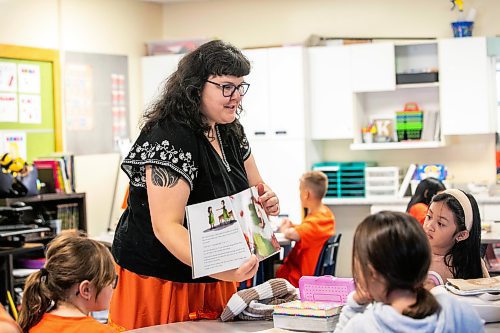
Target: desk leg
pixel 4 278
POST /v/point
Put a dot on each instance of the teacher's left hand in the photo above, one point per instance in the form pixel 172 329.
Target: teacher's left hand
pixel 268 200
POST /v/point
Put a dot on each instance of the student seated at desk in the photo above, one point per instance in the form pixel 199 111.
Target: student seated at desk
pixel 317 226
pixel 391 257
pixel 78 278
pixel 7 324
pixel 419 202
pixel 453 227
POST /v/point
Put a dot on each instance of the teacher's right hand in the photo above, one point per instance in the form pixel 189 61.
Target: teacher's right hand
pixel 246 271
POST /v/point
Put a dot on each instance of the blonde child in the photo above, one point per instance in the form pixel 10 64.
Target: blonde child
pixel 453 226
pixel 78 278
pixel 317 226
pixel 391 257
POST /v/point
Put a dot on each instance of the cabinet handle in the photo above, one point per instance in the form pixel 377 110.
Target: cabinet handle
pixel 259 133
pixel 280 132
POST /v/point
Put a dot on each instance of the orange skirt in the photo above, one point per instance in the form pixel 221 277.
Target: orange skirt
pixel 141 301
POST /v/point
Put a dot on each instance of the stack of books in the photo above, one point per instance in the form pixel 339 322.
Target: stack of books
pixel 310 316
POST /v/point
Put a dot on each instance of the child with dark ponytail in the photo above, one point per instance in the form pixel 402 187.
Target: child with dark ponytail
pixel 78 278
pixel 391 257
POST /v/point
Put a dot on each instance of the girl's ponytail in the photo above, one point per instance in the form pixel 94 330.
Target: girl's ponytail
pixel 36 300
pixel 425 305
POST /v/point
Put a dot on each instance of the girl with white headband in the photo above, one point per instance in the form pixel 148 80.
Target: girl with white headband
pixel 453 227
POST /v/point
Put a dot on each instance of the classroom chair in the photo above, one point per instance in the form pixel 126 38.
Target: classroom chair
pixel 328 257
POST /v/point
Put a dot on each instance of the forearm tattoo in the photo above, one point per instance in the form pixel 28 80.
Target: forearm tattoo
pixel 163 177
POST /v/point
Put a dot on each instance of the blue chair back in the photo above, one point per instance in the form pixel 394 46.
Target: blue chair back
pixel 328 257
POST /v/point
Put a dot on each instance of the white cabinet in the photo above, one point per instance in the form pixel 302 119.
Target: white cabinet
pixel 467 86
pixel 331 96
pixel 281 163
pixel 373 67
pixel 256 101
pixel 275 104
pixel 155 71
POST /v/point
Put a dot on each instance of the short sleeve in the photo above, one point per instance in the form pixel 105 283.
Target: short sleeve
pixel 308 232
pixel 173 147
pixel 245 148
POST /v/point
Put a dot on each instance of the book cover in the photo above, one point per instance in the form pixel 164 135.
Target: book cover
pixel 224 232
pixel 48 174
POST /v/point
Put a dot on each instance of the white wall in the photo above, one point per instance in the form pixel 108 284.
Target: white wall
pixel 118 27
pixel 274 22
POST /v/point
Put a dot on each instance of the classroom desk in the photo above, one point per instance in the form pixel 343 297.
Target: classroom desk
pixel 235 327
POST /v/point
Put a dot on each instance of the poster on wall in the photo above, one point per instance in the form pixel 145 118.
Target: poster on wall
pixel 96 102
pixel 14 143
pixel 118 109
pixel 30 109
pixel 8 108
pixel 29 78
pixel 8 76
pixel 79 99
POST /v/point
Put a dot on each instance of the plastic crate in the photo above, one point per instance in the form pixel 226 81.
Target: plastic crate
pixel 382 181
pixel 409 125
pixel 345 179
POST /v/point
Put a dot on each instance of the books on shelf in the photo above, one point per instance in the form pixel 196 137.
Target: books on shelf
pixel 224 232
pixel 56 173
pixel 405 184
pixel 307 315
pixel 69 214
pixel 431 126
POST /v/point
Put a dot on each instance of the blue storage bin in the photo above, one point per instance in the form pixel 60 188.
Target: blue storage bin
pixel 345 179
pixel 462 28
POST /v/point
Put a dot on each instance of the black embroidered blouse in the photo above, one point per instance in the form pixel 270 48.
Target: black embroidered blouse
pixel 191 155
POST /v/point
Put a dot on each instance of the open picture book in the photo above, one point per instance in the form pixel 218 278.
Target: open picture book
pixel 224 232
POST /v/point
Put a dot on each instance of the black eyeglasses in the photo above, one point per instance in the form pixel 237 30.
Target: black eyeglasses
pixel 228 89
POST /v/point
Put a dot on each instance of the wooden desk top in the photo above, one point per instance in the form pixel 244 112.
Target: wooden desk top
pixel 237 327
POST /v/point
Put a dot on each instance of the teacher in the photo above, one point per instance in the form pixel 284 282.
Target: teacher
pixel 191 149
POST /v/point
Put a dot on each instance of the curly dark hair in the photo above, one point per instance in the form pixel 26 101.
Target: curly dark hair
pixel 180 100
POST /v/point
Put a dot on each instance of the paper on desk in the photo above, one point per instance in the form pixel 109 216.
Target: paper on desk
pixel 275 330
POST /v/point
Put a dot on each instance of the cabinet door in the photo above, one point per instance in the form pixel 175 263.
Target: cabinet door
pixel 255 116
pixel 155 71
pixel 373 67
pixel 286 91
pixel 466 92
pixel 281 163
pixel 330 93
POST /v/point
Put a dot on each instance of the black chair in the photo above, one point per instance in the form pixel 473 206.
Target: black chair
pixel 328 256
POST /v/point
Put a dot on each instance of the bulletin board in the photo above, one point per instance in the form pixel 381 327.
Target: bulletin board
pixel 30 108
pixel 95 102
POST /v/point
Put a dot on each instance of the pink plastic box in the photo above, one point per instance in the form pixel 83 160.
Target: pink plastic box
pixel 325 288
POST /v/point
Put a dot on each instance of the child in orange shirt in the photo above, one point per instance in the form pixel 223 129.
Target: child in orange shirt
pixel 420 201
pixel 78 278
pixel 317 226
